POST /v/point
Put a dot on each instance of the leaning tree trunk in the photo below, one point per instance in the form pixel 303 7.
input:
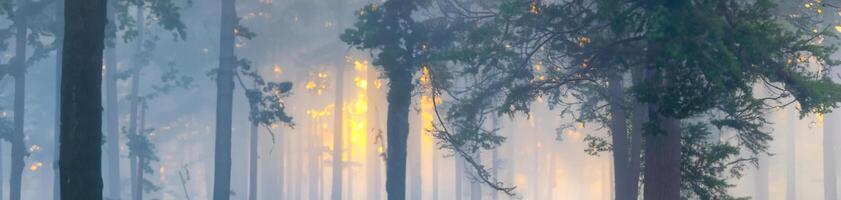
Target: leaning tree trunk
pixel 224 102
pixel 112 122
pixel 81 100
pixel 399 100
pixel 662 161
pixel 18 146
pixel 619 133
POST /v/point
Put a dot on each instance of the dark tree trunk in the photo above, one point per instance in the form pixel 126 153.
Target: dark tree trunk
pixel 619 134
pixel 18 146
pixel 399 100
pixel 662 161
pixel 338 128
pixel 224 102
pixel 252 165
pixel 57 119
pixel 112 124
pixel 638 119
pixel 81 100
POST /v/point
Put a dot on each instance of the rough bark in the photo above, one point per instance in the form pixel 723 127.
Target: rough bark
pixel 662 163
pixel 399 100
pixel 112 124
pixel 252 165
pixel 224 102
pixel 81 100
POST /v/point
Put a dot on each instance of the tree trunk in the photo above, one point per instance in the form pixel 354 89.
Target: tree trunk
pixel 18 147
pixel 314 149
pixel 137 169
pixel 415 160
pixel 57 129
pixel 662 163
pixel 638 119
pixel 761 183
pixel 338 128
pixel 81 100
pixel 459 177
pixel 374 159
pixel 399 100
pixel 619 134
pixel 224 102
pixel 435 173
pixel 112 122
pixel 475 186
pixel 791 174
pixel 141 161
pixel 252 166
pixel 829 168
pixel 495 157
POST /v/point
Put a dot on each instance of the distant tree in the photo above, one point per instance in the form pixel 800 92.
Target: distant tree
pixel 81 100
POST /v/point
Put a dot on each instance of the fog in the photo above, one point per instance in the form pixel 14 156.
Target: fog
pixel 162 62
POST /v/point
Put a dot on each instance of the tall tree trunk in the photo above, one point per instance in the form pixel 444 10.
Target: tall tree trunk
pixel 224 102
pixel 495 157
pixel 791 166
pixel 435 173
pixel 141 159
pixel 415 158
pixel 459 177
pixel 18 146
pixel 136 165
pixel 81 100
pixel 252 166
pixel 662 161
pixel 374 160
pixel 338 129
pixel 112 122
pixel 761 183
pixel 639 116
pixel 314 149
pixel 57 128
pixel 399 100
pixel 829 177
pixel 619 134
pixel 475 186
